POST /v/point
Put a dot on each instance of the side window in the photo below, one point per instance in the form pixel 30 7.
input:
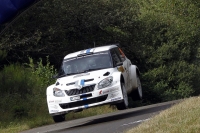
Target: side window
pixel 121 54
pixel 115 57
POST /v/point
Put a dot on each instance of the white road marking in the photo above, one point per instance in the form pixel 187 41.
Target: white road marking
pixel 135 122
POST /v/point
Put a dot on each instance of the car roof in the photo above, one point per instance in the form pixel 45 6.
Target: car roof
pixel 90 50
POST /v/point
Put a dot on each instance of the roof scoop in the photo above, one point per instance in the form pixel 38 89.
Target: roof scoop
pixel 106 74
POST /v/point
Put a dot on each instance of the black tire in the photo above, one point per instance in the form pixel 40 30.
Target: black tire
pixel 59 118
pixel 137 94
pixel 123 105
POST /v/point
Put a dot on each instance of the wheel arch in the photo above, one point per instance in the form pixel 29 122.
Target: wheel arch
pixel 122 79
pixel 138 71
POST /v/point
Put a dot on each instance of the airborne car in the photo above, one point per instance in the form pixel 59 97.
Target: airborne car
pixel 93 77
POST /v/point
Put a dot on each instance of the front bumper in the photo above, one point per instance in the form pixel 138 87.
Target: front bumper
pixel 63 105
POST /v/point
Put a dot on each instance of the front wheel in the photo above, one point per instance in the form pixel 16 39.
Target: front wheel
pixel 123 105
pixel 59 118
pixel 137 94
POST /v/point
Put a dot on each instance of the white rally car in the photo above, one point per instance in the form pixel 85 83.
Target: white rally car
pixel 93 77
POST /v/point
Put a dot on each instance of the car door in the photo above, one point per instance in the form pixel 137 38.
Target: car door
pixel 118 57
pixel 126 64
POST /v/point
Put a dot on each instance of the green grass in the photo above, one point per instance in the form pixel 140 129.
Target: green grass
pixel 181 118
pixel 18 125
pixel 14 128
pixel 41 120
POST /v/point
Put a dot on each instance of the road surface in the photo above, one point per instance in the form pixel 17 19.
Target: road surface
pixel 116 122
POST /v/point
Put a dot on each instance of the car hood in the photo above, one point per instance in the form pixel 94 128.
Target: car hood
pixel 83 79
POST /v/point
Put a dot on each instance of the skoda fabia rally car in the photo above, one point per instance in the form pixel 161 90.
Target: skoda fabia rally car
pixel 93 77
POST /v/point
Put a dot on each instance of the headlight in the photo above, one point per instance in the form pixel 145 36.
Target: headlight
pixel 58 92
pixel 105 82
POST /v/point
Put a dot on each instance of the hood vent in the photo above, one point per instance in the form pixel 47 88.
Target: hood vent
pixel 106 74
pixel 72 83
pixel 57 83
pixel 87 80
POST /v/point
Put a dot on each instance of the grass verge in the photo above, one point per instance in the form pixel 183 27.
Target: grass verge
pixel 18 126
pixel 181 118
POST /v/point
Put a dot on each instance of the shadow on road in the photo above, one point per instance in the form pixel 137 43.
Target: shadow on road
pixel 118 116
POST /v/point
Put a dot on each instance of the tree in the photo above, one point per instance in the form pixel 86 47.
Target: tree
pixel 57 27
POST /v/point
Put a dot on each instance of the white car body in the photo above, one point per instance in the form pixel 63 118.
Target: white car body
pixel 81 90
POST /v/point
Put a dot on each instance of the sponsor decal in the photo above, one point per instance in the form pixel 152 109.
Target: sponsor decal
pixel 100 92
pixel 114 89
pixel 121 69
pixel 53 111
pixel 51 101
pixel 106 91
pixel 58 101
pixel 114 95
pixel 103 92
pixel 115 99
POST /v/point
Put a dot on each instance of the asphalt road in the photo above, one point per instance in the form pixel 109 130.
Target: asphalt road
pixel 116 122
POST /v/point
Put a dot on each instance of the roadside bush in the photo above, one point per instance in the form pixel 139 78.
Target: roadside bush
pixel 16 80
pixel 20 111
pixel 45 72
pixel 17 85
pixel 23 90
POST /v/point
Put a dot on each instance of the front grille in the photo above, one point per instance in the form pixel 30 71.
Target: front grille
pixel 81 91
pixel 83 102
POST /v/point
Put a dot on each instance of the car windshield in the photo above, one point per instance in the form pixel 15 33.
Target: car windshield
pixel 85 63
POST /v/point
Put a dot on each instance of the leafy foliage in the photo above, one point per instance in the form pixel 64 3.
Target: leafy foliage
pixel 45 72
pixel 57 27
pixel 169 42
pixel 23 89
pixel 160 37
pixel 16 87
